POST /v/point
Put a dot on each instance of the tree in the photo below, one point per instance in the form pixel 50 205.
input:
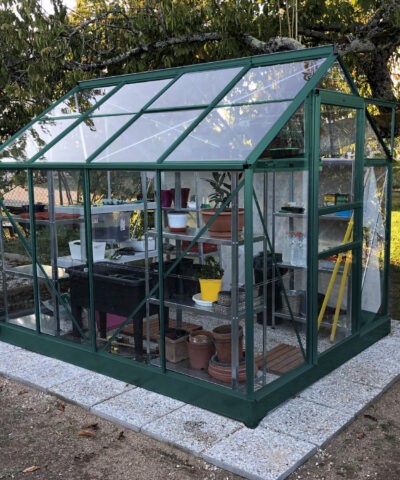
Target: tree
pixel 43 55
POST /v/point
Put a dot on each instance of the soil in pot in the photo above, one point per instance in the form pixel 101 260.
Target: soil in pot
pixel 223 343
pixel 201 348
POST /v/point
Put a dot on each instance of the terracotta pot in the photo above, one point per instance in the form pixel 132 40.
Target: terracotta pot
pixel 201 348
pixel 223 371
pixel 223 340
pixel 221 227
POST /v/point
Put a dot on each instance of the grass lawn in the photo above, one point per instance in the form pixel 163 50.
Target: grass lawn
pixel 394 282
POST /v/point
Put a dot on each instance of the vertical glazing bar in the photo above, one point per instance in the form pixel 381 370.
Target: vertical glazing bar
pixel 389 185
pixel 355 275
pixel 161 309
pixel 3 263
pixel 178 206
pixel 32 226
pixel 249 279
pixel 265 270
pixel 234 285
pixel 312 150
pixel 143 180
pixel 89 255
pixel 53 250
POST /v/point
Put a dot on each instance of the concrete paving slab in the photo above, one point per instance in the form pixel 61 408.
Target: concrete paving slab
pixel 6 348
pixel 374 368
pixel 306 420
pixel 259 454
pixel 47 373
pixel 90 389
pixel 19 360
pixel 192 428
pixel 340 394
pixel 135 408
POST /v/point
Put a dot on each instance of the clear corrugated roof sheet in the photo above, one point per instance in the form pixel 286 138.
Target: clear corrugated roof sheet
pixel 215 113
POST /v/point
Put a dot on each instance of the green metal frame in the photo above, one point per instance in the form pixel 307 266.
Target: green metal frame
pixel 248 405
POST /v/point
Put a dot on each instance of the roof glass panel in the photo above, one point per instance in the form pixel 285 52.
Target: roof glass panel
pixel 79 102
pixel 196 88
pixel 84 139
pixel 228 133
pixel 272 82
pixel 131 97
pixel 148 137
pixel 382 119
pixel 335 80
pixel 373 147
pixel 33 139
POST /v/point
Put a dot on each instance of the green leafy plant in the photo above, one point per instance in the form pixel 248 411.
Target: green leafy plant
pixel 221 183
pixel 211 269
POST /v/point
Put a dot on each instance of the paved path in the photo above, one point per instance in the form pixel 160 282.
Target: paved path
pixel 285 438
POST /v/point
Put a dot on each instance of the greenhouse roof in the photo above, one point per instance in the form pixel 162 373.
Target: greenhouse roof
pixel 216 114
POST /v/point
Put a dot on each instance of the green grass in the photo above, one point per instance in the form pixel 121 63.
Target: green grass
pixel 395 237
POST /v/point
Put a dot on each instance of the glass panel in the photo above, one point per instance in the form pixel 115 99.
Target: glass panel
pixel 228 133
pixel 119 270
pixel 374 238
pixel 131 98
pixel 84 139
pixel 290 140
pixel 148 137
pixel 338 132
pixel 335 80
pixel 335 229
pixel 373 145
pixel 17 304
pixel 273 82
pixel 382 119
pixel 335 182
pixel 56 226
pixel 32 140
pixel 280 280
pixel 197 88
pixel 80 102
pixel 334 299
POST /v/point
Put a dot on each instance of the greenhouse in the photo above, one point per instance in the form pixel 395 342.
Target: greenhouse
pixel 112 253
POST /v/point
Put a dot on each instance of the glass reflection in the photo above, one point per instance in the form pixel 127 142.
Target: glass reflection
pixel 373 145
pixel 374 238
pixel 148 137
pixel 197 88
pixel 84 139
pixel 131 98
pixel 32 140
pixel 229 133
pixel 80 102
pixel 335 80
pixel 273 82
pixel 338 132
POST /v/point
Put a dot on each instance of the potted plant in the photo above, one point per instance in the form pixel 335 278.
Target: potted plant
pixel 138 241
pixel 210 278
pixel 221 183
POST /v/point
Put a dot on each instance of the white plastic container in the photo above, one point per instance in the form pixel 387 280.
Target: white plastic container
pixel 99 250
pixel 177 221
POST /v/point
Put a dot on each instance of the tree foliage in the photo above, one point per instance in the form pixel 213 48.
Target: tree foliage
pixel 43 55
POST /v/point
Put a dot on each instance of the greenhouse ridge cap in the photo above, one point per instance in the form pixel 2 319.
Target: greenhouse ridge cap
pixel 255 60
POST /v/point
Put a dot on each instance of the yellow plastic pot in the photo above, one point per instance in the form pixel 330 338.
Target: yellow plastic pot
pixel 209 288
